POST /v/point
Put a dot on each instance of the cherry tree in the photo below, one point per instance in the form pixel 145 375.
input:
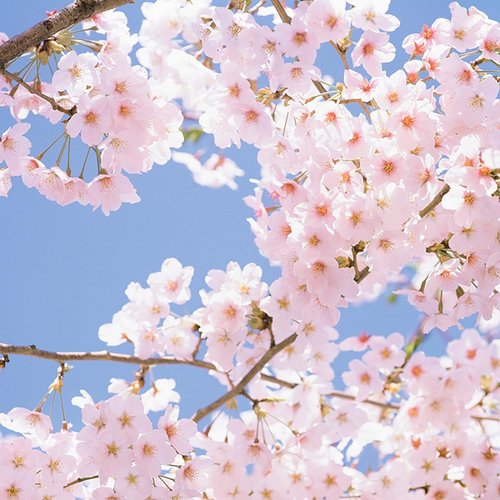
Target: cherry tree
pixel 371 181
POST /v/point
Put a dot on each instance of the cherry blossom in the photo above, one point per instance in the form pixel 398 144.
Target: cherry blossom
pixel 381 182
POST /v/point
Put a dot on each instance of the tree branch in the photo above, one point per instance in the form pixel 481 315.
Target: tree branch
pixel 80 480
pixel 281 11
pixel 238 388
pixel 61 357
pixel 33 90
pixel 341 54
pixel 435 202
pixel 73 14
pixel 349 397
pixel 334 394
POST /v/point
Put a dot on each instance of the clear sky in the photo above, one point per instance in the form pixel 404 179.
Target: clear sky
pixel 64 270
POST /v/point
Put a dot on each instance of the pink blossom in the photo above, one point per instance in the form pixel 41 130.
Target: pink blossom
pixel 172 281
pixel 364 379
pixel 160 395
pixel 75 72
pixel 13 145
pixel 372 50
pixel 216 172
pixel 178 432
pixel 371 15
pixel 328 20
pixel 90 121
pixel 109 191
pixel 33 424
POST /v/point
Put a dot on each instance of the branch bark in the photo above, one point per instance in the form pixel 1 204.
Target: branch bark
pixel 73 14
pixel 435 202
pixel 61 357
pixel 238 388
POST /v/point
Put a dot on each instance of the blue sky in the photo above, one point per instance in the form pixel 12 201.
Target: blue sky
pixel 64 269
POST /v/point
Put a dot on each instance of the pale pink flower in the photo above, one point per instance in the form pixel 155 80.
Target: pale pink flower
pixel 124 414
pixel 160 395
pixel 172 281
pixel 463 31
pixel 253 122
pixel 385 352
pixel 358 87
pixel 328 20
pixel 178 432
pixel 490 43
pixel 122 329
pixel 151 451
pixel 131 482
pixel 51 183
pixel 13 145
pixel 91 120
pixel 215 172
pixel 194 476
pixel 109 191
pixel 371 15
pixel 180 338
pixel 110 453
pixel 372 50
pixel 296 40
pixel 5 182
pixel 362 378
pixel 32 424
pixel 15 485
pixel 75 72
pixel 358 343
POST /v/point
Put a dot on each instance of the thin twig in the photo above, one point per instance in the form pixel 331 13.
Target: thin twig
pixel 238 388
pixel 33 90
pixel 80 480
pixel 435 202
pixel 335 394
pixel 357 101
pixel 341 54
pixel 99 356
pixel 349 397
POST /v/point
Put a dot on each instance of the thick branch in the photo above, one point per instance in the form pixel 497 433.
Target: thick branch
pixel 73 14
pixel 61 357
pixel 238 388
pixel 435 202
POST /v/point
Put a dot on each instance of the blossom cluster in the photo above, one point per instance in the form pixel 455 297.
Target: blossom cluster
pixel 347 200
pixel 117 450
pixel 360 179
pixel 304 435
pixel 104 100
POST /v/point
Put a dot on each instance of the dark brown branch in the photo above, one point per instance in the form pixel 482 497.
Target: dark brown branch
pixel 78 11
pixel 238 388
pixel 435 202
pixel 61 357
